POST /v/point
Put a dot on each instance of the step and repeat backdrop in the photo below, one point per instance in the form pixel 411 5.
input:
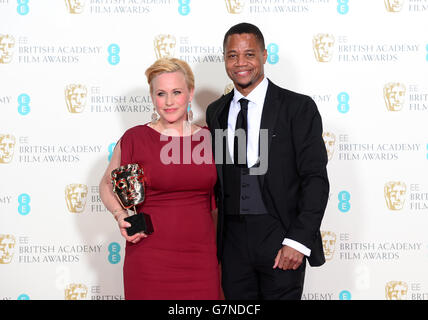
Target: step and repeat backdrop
pixel 72 81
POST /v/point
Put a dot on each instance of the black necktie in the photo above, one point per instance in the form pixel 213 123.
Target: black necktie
pixel 240 144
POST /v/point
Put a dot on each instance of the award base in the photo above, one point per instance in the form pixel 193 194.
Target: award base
pixel 140 222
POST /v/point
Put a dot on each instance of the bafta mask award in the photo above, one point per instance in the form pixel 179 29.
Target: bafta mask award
pixel 128 185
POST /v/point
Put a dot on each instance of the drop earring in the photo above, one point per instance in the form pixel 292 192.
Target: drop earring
pixel 154 116
pixel 189 113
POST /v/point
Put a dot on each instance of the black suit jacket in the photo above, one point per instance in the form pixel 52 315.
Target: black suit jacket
pixel 295 187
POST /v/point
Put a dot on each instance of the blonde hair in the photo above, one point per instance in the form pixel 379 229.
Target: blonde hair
pixel 167 65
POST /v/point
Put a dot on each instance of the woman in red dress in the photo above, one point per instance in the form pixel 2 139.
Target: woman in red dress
pixel 178 260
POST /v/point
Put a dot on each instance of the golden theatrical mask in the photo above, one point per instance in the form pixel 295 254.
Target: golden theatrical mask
pixel 323 45
pixel 75 97
pixel 394 5
pixel 394 94
pixel 395 192
pixel 75 6
pixel 75 197
pixel 164 46
pixel 75 292
pixel 7 244
pixel 328 243
pixel 235 6
pixel 7 43
pixel 329 141
pixel 396 290
pixel 7 147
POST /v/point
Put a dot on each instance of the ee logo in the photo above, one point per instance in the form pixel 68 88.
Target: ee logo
pixel 345 295
pixel 113 54
pixel 24 207
pixel 272 50
pixel 114 256
pixel 110 150
pixel 183 7
pixel 23 7
pixel 343 99
pixel 342 6
pixel 24 104
pixel 344 197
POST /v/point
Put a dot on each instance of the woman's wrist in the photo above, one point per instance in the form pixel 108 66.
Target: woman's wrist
pixel 119 212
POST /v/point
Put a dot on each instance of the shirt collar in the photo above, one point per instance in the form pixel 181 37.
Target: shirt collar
pixel 257 95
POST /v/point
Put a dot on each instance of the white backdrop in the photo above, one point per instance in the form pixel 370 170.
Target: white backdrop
pixel 72 81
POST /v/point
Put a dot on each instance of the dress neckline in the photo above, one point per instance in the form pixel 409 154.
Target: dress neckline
pixel 159 133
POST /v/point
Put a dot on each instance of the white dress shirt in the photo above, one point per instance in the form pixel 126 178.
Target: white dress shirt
pixel 256 100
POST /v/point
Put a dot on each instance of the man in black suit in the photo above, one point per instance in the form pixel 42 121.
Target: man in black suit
pixel 272 195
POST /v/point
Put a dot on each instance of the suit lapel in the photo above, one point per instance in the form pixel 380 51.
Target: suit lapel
pixel 221 113
pixel 271 107
pixel 270 112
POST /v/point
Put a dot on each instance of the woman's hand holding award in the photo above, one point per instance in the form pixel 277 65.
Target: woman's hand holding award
pixel 129 186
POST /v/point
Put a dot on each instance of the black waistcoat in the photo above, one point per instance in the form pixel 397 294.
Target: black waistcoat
pixel 242 191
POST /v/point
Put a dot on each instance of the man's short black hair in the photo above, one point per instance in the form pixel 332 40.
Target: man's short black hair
pixel 245 28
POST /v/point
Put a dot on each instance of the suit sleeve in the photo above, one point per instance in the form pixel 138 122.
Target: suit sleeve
pixel 311 161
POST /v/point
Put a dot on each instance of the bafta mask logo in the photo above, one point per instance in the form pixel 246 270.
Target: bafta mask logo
pixel 75 197
pixel 235 6
pixel 328 243
pixel 164 46
pixel 323 44
pixel 329 141
pixel 75 97
pixel 394 94
pixel 395 193
pixel 75 6
pixel 128 184
pixel 7 43
pixel 396 290
pixel 7 244
pixel 7 147
pixel 228 88
pixel 394 5
pixel 75 291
